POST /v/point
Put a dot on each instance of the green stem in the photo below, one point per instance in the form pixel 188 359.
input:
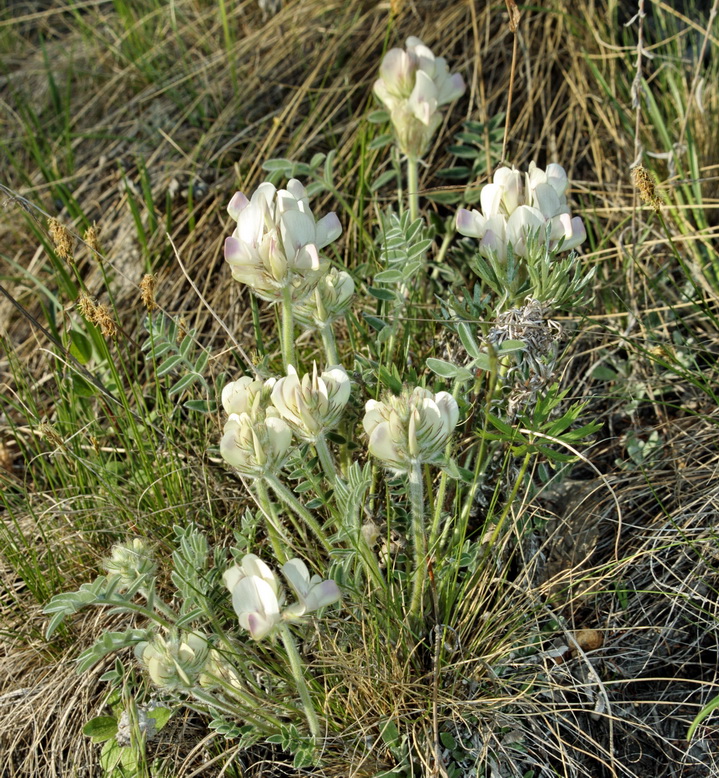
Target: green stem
pixel 326 458
pixel 289 499
pixel 330 344
pixel 510 500
pixel 288 329
pixel 298 675
pixel 413 187
pixel 419 539
pixel 252 706
pixel 274 529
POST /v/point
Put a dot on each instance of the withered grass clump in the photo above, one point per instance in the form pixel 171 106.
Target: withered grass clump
pixel 627 551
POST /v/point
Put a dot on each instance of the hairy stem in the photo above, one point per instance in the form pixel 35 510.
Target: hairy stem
pixel 288 329
pixel 298 675
pixel 289 499
pixel 419 538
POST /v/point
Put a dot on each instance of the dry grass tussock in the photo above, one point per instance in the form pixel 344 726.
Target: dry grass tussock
pixel 146 125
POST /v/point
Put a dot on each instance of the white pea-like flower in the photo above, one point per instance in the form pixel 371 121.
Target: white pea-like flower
pixel 313 592
pixel 246 395
pixel 277 241
pixel 258 599
pixel 255 596
pixel 329 300
pixel 313 404
pixel 255 446
pixel 411 428
pixel 176 661
pixel 516 207
pixel 413 84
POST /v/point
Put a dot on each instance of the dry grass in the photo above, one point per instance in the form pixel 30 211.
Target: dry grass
pixel 187 114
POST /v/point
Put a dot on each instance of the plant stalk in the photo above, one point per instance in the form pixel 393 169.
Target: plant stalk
pixel 298 675
pixel 419 538
pixel 288 329
pixel 413 187
pixel 289 499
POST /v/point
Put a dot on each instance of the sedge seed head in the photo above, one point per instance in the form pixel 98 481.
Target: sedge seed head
pixel 147 291
pixel 646 186
pixel 62 239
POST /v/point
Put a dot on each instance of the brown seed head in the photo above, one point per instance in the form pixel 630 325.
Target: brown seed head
pixel 104 321
pixel 147 291
pixel 92 241
pixel 646 186
pixel 86 306
pixel 61 238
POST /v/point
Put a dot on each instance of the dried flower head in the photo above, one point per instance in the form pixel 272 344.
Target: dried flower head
pixel 147 291
pixel 645 184
pixel 86 306
pixel 104 321
pixel 93 243
pixel 62 239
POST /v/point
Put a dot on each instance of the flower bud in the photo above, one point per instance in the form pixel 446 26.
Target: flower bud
pixel 411 428
pixel 131 562
pixel 174 662
pixel 313 404
pixel 329 300
pixel 247 395
pixel 254 446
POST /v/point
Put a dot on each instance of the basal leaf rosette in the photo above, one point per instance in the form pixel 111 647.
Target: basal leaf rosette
pixel 411 428
pixel 313 404
pixel 413 84
pixel 277 241
pixel 256 446
pixel 516 208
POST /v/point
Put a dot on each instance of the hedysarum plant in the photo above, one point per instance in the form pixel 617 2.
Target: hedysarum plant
pixel 405 432
pixel 275 248
pixel 413 85
pixel 176 661
pixel 312 405
pixel 517 208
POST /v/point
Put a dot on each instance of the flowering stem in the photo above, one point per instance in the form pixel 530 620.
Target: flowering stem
pixel 289 499
pixel 274 530
pixel 298 675
pixel 419 539
pixel 413 187
pixel 326 459
pixel 330 344
pixel 288 329
pixel 213 702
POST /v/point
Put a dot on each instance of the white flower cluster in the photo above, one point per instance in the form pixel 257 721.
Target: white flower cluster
pixel 518 207
pixel 411 428
pixel 413 84
pixel 262 415
pixel 276 245
pixel 258 599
